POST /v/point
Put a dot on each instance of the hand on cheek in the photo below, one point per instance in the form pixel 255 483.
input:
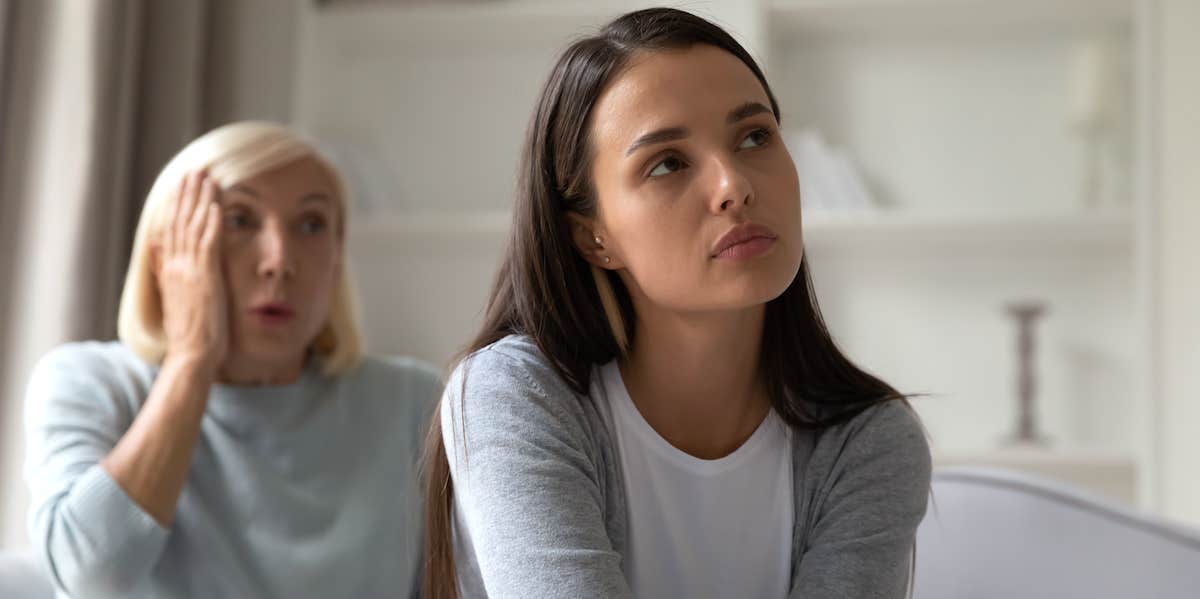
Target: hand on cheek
pixel 190 280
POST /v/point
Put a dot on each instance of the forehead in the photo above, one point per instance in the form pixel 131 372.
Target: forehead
pixel 688 87
pixel 290 182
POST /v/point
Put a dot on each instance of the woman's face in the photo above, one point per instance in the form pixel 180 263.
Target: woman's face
pixel 688 158
pixel 282 257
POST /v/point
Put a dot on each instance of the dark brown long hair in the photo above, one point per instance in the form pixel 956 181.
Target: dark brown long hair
pixel 581 317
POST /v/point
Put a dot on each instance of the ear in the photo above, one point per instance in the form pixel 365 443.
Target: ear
pixel 589 240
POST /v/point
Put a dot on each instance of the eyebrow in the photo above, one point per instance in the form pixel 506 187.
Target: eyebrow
pixel 659 136
pixel 312 197
pixel 746 111
pixel 316 197
pixel 243 189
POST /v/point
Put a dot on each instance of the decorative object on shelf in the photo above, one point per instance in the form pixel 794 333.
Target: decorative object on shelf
pixel 1026 314
pixel 829 180
pixel 1093 97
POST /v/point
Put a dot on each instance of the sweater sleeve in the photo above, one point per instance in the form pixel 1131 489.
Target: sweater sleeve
pixel 526 486
pixel 865 510
pixel 93 537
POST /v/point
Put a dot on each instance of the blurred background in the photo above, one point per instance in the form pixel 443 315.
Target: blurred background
pixel 1000 198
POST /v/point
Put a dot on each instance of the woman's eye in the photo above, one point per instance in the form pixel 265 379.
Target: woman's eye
pixel 237 221
pixel 666 167
pixel 755 139
pixel 312 225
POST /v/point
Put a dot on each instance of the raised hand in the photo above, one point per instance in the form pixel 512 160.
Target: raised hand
pixel 195 320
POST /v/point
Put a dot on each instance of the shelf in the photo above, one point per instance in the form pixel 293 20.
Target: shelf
pixel 893 233
pixel 899 232
pixel 842 17
pixel 534 23
pixel 376 236
pixel 457 27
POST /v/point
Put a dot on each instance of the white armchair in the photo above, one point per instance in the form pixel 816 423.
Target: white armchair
pixel 994 534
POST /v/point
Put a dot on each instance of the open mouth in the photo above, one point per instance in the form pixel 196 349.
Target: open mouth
pixel 274 313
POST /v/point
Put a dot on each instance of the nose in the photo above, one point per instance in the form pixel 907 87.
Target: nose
pixel 731 189
pixel 275 253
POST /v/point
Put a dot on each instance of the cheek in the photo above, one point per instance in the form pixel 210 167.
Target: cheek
pixel 662 248
pixel 237 266
pixel 778 188
pixel 322 269
pixel 782 181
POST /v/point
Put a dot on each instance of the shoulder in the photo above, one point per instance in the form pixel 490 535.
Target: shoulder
pixel 400 374
pixel 94 358
pixel 512 386
pixel 514 363
pixel 883 448
pixel 517 355
pixel 409 386
pixel 887 427
pixel 99 365
pixel 91 379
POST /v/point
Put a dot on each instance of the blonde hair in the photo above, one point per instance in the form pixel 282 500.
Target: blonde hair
pixel 231 154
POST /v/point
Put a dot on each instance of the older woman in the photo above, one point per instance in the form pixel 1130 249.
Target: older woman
pixel 234 442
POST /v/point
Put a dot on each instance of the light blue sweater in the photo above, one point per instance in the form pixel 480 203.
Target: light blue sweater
pixel 302 490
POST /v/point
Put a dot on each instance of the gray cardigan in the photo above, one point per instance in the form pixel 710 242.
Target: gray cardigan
pixel 540 481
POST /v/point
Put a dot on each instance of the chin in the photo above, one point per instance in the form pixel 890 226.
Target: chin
pixel 270 351
pixel 740 295
pixel 762 296
pixel 763 285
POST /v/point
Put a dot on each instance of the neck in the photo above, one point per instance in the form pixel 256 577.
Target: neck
pixel 248 371
pixel 695 377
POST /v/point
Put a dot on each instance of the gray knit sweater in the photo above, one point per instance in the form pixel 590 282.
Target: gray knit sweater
pixel 539 480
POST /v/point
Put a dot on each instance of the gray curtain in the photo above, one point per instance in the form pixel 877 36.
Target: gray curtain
pixel 95 96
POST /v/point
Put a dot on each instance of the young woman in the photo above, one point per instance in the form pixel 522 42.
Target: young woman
pixel 234 442
pixel 654 407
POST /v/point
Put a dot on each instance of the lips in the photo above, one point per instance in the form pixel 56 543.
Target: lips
pixel 273 312
pixel 746 236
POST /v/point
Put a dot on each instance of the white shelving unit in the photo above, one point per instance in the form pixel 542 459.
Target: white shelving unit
pixel 957 111
pixel 929 235
pixel 889 17
pixel 830 232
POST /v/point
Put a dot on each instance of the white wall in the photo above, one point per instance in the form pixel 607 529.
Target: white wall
pixel 251 60
pixel 1178 287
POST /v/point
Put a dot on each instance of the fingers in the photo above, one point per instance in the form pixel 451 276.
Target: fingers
pixel 187 200
pixel 212 229
pixel 189 212
pixel 200 215
pixel 169 238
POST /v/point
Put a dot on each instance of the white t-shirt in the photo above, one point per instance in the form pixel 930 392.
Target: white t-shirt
pixel 702 528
